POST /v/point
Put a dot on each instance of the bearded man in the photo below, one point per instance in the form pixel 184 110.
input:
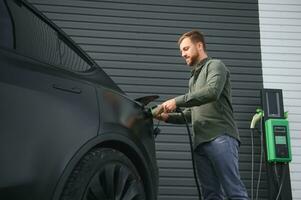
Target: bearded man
pixel 208 107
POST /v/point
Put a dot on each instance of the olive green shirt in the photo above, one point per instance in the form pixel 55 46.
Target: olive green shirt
pixel 207 104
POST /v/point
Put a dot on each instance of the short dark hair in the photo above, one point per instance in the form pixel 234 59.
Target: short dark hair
pixel 195 36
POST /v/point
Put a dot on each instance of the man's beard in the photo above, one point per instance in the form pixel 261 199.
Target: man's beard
pixel 193 60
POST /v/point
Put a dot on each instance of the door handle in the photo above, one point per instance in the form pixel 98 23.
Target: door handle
pixel 74 90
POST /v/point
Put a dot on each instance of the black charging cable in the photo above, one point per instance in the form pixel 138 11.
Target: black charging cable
pixel 252 161
pixel 261 160
pixel 252 165
pixel 258 116
pixel 192 154
pixel 282 179
pixel 157 129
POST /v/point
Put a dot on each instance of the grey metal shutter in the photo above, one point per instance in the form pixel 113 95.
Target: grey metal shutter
pixel 134 41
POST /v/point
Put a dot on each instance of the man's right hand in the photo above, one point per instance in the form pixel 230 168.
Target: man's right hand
pixel 158 113
pixel 162 117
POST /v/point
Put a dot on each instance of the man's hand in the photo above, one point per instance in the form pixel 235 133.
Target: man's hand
pixel 158 113
pixel 162 117
pixel 169 105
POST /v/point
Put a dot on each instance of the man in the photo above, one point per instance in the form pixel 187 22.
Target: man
pixel 208 106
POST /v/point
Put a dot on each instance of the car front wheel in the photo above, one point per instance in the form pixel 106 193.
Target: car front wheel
pixel 104 174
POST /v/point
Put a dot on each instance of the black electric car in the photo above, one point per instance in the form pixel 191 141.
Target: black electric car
pixel 67 131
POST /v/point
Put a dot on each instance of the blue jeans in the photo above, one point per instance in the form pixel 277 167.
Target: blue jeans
pixel 217 166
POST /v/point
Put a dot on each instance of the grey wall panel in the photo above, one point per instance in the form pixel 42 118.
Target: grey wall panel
pixel 134 41
pixel 280 27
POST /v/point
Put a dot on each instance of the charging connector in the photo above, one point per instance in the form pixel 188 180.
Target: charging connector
pixel 256 118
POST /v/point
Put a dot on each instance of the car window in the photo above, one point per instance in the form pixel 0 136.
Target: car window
pixel 37 39
pixel 69 58
pixel 6 27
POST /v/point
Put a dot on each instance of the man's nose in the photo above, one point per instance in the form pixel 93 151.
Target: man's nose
pixel 184 55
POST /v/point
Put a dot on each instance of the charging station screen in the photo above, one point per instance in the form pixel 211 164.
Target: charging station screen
pixel 280 139
pixel 273 104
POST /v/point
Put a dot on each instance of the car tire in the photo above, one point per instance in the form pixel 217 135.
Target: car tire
pixel 104 174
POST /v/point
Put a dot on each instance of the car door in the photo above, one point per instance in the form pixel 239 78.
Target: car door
pixel 46 111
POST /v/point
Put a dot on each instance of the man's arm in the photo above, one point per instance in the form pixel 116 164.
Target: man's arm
pixel 216 78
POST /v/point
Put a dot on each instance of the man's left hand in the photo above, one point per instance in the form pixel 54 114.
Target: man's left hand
pixel 169 105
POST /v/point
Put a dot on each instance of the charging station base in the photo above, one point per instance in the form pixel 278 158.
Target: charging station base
pixel 278 140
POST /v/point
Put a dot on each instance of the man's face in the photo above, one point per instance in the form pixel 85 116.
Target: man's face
pixel 190 51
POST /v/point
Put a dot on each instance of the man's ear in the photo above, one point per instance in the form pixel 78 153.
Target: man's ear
pixel 200 46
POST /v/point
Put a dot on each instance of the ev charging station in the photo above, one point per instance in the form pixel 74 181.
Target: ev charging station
pixel 276 127
pixel 276 138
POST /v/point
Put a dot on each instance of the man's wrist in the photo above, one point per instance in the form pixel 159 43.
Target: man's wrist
pixel 180 100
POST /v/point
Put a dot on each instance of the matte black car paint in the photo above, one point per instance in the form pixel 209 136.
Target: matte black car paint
pixel 51 117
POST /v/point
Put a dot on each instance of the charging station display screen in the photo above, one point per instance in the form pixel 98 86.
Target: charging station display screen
pixel 280 139
pixel 273 104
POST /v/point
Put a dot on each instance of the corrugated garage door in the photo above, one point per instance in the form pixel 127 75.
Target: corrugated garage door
pixel 134 41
